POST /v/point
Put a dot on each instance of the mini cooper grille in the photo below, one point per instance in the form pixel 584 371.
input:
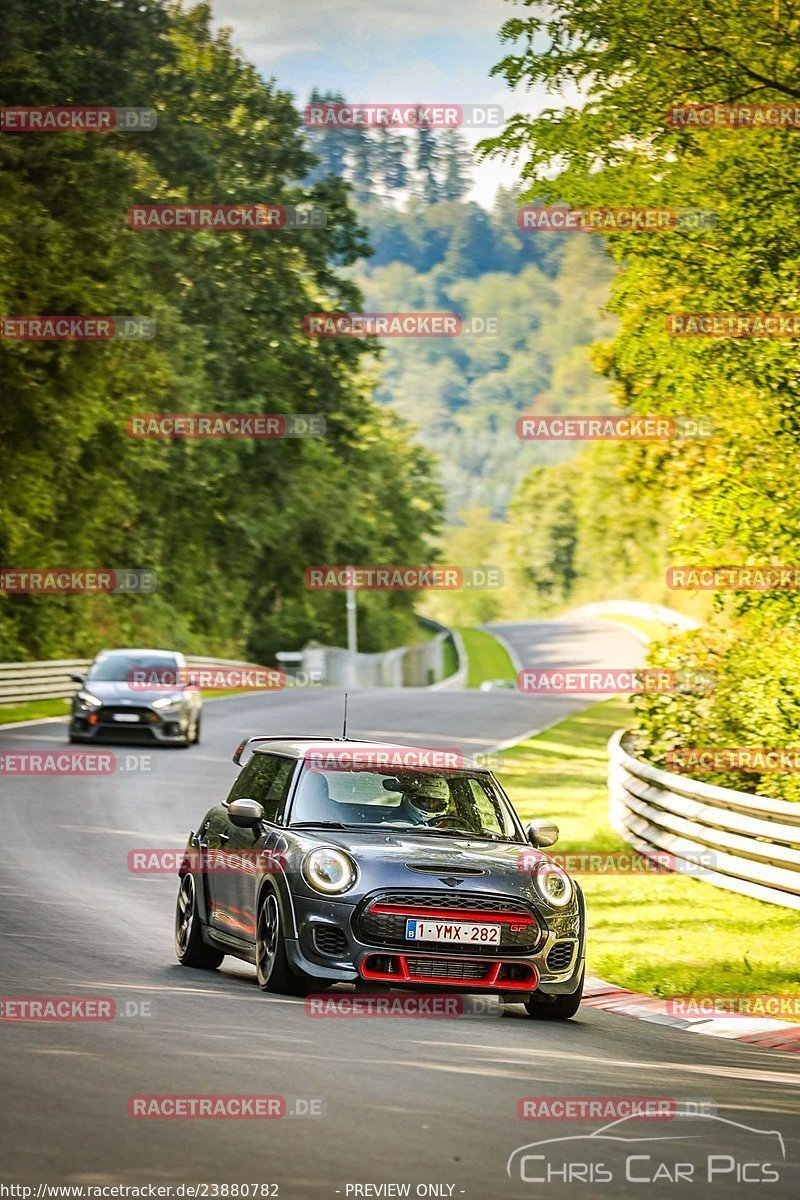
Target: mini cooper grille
pixel 389 929
pixel 447 968
pixel 560 956
pixel 330 940
pixel 456 899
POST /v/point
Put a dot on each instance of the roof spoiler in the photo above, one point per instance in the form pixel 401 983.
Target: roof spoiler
pixel 279 737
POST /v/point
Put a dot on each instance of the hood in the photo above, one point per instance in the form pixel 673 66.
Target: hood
pixel 398 858
pixel 114 692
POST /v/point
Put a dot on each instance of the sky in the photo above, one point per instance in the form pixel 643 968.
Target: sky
pixel 386 50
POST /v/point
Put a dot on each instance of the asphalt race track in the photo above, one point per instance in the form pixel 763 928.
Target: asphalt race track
pixel 406 1101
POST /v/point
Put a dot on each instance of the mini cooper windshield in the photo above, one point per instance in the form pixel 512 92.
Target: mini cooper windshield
pixel 454 802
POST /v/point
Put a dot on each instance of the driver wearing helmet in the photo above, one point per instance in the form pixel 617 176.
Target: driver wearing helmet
pixel 427 799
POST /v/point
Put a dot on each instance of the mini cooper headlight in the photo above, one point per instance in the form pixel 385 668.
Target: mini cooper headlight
pixel 553 884
pixel 87 700
pixel 329 871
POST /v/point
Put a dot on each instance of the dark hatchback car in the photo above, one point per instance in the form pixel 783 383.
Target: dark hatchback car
pixel 137 696
pixel 320 871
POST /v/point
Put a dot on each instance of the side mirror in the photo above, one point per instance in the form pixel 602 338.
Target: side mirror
pixel 245 813
pixel 78 678
pixel 542 833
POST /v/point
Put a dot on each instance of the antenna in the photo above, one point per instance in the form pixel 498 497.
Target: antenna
pixel 344 721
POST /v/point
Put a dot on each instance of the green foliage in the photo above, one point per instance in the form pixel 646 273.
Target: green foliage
pixel 754 701
pixel 464 394
pixel 732 498
pixel 229 526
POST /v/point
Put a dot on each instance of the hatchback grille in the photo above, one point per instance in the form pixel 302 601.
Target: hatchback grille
pixel 458 899
pixel 447 968
pixel 110 713
pixel 389 929
pixel 560 956
pixel 330 940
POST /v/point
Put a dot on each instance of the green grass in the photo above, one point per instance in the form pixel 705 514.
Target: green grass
pixel 665 934
pixel 34 710
pixel 486 658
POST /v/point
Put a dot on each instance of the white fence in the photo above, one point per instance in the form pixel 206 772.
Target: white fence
pixel 744 843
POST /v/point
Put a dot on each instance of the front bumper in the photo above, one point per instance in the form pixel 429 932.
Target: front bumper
pixel 101 725
pixel 327 946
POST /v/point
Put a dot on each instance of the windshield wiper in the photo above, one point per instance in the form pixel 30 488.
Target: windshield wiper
pixel 320 825
pixel 485 837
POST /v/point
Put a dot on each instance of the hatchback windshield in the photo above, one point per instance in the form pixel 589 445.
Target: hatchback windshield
pixel 452 802
pixel 119 668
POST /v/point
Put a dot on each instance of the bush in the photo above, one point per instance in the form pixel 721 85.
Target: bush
pixel 738 685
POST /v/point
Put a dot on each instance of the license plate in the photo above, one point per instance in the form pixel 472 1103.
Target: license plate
pixel 133 717
pixel 462 932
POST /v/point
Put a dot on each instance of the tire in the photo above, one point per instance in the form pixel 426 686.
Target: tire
pixel 272 966
pixel 555 1008
pixel 196 734
pixel 189 945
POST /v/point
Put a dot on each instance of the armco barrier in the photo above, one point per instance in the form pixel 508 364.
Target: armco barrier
pixel 407 666
pixel 21 682
pixel 733 840
pixel 422 665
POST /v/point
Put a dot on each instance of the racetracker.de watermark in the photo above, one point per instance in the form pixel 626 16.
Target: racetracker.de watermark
pixel 388 115
pixel 62 1009
pixel 226 425
pixel 218 679
pixel 733 325
pixel 433 1005
pixel 155 860
pixel 734 116
pixel 560 218
pixel 393 758
pixel 609 681
pixel 754 759
pixel 65 581
pixel 399 324
pixel 166 1107
pixel 613 427
pixel 631 862
pixel 76 329
pixel 224 218
pixel 753 1004
pixel 606 1108
pixel 75 118
pixel 734 579
pixel 73 762
pixel 402 578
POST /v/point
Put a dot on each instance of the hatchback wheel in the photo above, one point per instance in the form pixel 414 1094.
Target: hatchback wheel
pixel 272 966
pixel 555 1008
pixel 189 945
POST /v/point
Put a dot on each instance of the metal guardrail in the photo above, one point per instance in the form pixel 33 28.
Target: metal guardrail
pixel 422 665
pixel 733 840
pixel 407 666
pixel 25 681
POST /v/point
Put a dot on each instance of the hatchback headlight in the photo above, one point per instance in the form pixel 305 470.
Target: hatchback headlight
pixel 87 700
pixel 553 884
pixel 329 871
pixel 170 702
